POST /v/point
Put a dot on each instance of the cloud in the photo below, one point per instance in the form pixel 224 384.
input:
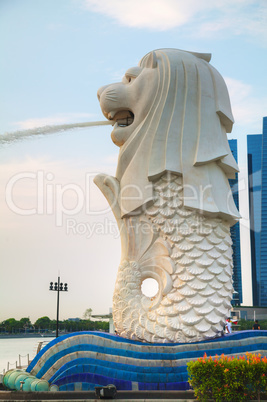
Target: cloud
pixel 247 108
pixel 238 17
pixel 51 120
pixel 153 14
pixel 232 16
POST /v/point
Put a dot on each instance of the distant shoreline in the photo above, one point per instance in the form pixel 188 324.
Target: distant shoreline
pixel 24 336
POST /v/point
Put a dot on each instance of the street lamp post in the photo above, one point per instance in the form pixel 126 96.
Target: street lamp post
pixel 58 287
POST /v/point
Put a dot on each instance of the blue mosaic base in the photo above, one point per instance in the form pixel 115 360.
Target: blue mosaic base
pixel 83 360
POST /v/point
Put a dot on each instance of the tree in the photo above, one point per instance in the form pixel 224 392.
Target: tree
pixel 43 322
pixel 25 322
pixel 11 324
pixel 87 314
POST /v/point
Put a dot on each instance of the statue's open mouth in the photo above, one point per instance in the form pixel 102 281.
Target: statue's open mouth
pixel 123 118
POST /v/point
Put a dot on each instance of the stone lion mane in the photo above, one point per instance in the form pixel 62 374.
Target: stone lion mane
pixel 184 133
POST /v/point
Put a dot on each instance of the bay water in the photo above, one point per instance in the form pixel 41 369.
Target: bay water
pixel 11 348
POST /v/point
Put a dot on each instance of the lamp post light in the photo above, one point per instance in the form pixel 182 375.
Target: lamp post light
pixel 58 287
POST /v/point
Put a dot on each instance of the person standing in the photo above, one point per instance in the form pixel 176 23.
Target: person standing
pixel 228 326
pixel 256 325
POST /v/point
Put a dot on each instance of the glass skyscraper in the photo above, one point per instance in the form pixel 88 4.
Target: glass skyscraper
pixel 257 181
pixel 235 234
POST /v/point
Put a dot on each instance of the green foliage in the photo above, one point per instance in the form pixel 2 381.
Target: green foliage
pixel 248 324
pixel 25 322
pixel 85 325
pixel 10 325
pixel 42 322
pixel 227 378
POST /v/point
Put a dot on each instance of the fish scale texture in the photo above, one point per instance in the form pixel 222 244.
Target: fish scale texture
pixel 194 274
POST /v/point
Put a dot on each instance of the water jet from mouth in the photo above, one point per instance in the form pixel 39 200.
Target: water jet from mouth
pixel 22 134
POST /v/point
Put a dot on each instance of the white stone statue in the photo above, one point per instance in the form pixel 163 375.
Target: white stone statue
pixel 171 197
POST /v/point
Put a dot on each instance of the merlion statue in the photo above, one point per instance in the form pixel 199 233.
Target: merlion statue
pixel 171 197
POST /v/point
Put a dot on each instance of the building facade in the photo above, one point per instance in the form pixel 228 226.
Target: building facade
pixel 235 234
pixel 257 181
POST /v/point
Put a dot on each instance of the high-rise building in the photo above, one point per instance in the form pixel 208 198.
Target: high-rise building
pixel 257 181
pixel 254 144
pixel 263 243
pixel 235 234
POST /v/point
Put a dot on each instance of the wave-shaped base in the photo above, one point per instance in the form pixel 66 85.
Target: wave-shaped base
pixel 83 360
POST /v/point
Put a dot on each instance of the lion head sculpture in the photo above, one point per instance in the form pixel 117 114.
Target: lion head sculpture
pixel 172 113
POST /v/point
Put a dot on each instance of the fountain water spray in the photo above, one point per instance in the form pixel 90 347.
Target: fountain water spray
pixel 21 134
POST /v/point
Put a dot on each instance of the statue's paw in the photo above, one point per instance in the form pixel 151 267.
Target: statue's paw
pixel 110 187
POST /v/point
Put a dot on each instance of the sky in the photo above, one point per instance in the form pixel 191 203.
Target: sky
pixel 54 57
